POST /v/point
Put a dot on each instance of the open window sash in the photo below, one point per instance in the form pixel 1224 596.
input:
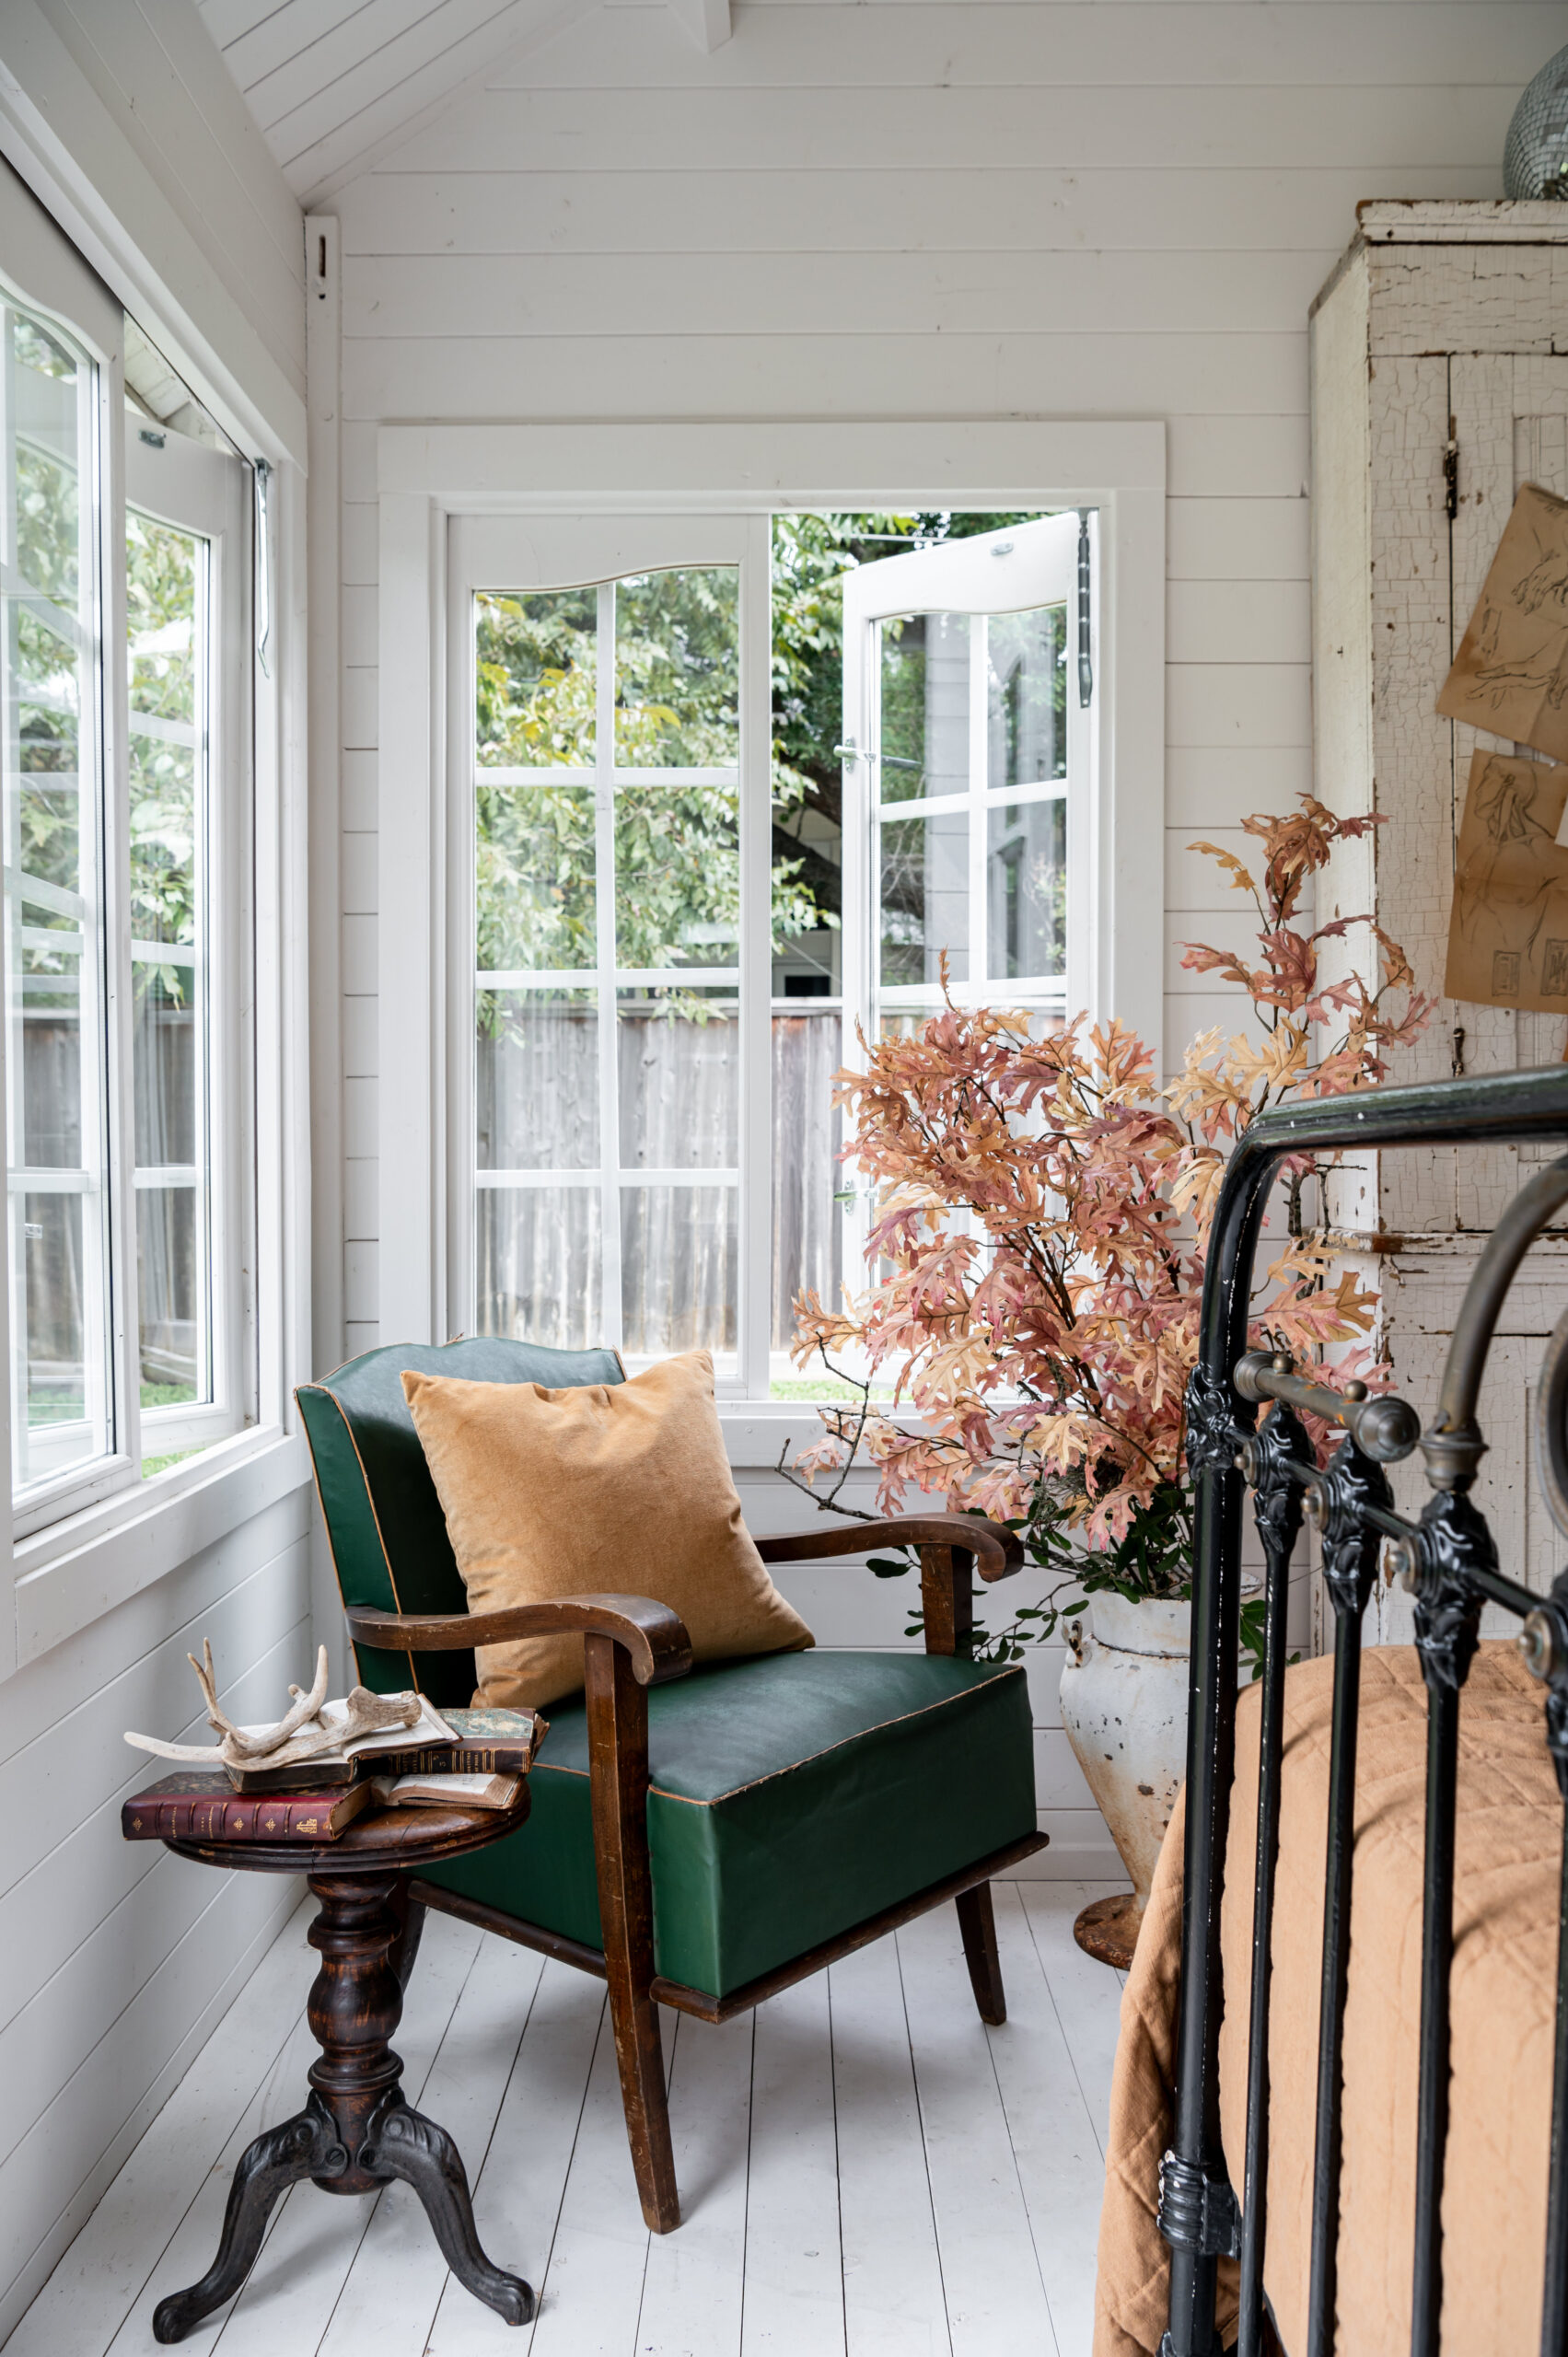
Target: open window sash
pixel 73 1429
pixel 968 794
pixel 189 925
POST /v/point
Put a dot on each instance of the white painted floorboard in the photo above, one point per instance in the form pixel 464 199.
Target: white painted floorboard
pixel 865 2170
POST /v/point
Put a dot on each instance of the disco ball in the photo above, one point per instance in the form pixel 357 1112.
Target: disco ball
pixel 1535 160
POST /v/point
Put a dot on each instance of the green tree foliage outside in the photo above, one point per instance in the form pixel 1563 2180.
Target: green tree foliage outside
pixel 811 554
pixel 54 812
pixel 161 590
pixel 47 557
pixel 160 587
pixel 675 704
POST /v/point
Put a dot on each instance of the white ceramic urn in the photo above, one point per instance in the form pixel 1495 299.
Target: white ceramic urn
pixel 1125 1707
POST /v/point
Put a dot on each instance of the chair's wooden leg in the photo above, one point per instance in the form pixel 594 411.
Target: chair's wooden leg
pixel 947 1595
pixel 977 1921
pixel 617 1775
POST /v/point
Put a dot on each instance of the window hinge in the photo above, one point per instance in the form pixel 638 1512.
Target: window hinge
pixel 1451 472
pixel 1085 664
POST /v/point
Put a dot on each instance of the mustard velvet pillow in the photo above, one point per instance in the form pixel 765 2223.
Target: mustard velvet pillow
pixel 619 1488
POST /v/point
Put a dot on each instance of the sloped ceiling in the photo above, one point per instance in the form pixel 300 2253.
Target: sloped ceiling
pixel 332 83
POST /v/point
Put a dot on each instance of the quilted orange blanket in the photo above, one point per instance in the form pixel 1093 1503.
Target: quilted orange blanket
pixel 1505 1986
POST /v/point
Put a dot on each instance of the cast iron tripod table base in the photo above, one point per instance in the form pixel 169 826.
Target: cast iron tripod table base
pixel 357 2130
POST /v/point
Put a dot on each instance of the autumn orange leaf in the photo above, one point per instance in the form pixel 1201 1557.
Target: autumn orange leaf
pixel 1041 1214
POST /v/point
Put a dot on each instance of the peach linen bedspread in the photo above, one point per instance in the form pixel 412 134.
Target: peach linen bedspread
pixel 1509 1850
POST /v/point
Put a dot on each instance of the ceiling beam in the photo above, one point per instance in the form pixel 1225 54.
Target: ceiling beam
pixel 707 21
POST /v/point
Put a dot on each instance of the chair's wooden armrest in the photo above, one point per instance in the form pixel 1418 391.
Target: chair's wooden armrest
pixel 655 1638
pixel 998 1552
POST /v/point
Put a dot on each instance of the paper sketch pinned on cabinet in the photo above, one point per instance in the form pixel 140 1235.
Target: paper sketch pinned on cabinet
pixel 1510 676
pixel 1508 930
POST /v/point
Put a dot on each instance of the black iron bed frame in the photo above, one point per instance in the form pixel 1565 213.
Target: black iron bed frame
pixel 1449 1563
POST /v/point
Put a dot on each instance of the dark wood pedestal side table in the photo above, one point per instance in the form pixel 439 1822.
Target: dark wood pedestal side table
pixel 357 2129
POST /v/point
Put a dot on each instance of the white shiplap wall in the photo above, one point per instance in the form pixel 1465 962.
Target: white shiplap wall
pixel 901 211
pixel 116 1959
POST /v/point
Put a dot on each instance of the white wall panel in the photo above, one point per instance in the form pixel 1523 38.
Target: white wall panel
pixel 859 209
pixel 1258 455
pixel 1417 127
pixel 904 293
pixel 1060 373
pixel 1239 703
pixel 979 45
pixel 1211 787
pixel 112 1954
pixel 1237 540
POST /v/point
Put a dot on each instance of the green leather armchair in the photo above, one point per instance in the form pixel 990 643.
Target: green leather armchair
pixel 698 1838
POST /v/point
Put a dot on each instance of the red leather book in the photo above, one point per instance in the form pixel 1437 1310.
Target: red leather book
pixel 201 1804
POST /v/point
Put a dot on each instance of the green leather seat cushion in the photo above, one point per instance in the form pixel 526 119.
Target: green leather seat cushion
pixel 789 1798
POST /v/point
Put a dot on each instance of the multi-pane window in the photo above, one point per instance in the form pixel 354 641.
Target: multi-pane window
pixel 606 852
pixel 966 742
pixel 124 576
pixel 51 687
pixel 974 800
pixel 169 747
pixel 660 995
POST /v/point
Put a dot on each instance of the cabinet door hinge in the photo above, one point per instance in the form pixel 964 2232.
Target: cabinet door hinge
pixel 1451 472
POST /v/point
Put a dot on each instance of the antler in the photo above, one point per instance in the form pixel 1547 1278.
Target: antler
pixel 300 1735
pixel 238 1747
pixel 200 1755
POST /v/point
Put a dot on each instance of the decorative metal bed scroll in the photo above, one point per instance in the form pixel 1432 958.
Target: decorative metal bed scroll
pixel 1448 1562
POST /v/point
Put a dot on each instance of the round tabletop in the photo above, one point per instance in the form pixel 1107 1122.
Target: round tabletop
pixel 384 1840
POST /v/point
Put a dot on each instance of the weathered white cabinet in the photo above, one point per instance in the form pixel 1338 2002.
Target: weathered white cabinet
pixel 1439 384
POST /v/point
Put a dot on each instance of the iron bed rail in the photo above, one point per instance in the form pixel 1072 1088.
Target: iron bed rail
pixel 1448 1561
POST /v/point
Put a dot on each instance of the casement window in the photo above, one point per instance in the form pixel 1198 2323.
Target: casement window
pixel 623 951
pixel 662 959
pixel 968 751
pixel 124 716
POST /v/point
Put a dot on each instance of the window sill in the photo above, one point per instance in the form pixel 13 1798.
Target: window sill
pixel 756 1430
pixel 88 1562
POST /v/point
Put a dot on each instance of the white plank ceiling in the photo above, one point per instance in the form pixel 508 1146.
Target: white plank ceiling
pixel 332 83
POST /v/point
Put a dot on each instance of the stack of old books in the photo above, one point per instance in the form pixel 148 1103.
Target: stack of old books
pixel 446 1759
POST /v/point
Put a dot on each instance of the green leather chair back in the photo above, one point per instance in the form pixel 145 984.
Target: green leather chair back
pixel 384 1520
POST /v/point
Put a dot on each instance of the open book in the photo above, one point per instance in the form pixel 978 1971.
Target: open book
pixel 452 1791
pixel 439 1743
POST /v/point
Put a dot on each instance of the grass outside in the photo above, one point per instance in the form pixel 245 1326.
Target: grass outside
pixel 168 1394
pixel 826 1388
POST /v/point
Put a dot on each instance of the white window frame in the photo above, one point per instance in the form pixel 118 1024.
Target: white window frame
pixel 615 475
pixel 49 277
pixel 960 576
pixel 486 552
pixel 195 489
pixel 56 1579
